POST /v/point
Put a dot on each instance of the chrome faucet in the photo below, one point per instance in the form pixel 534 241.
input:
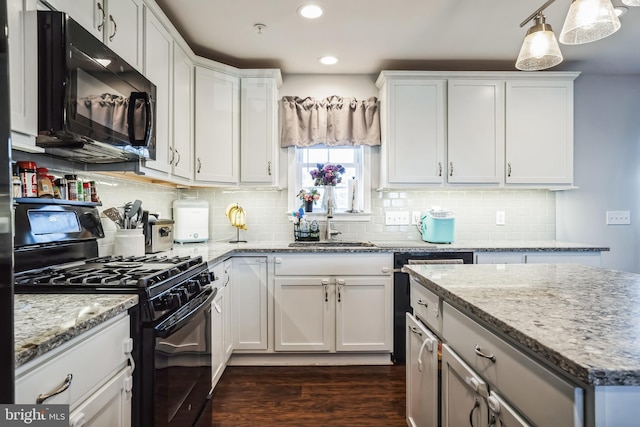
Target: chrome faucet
pixel 330 231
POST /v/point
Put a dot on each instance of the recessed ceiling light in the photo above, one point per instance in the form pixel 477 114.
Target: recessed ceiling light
pixel 310 11
pixel 328 60
pixel 620 10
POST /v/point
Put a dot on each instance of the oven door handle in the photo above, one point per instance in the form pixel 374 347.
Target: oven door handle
pixel 165 329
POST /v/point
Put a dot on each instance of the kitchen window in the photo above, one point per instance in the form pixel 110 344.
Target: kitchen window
pixel 355 160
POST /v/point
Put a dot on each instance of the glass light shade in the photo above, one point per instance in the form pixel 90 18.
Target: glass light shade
pixel 631 2
pixel 588 21
pixel 539 50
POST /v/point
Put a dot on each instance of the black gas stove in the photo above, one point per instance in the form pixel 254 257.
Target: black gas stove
pixel 56 251
pixel 163 283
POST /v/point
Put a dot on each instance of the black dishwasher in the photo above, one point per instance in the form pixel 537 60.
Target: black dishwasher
pixel 401 298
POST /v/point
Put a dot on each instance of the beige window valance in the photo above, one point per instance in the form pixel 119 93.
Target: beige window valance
pixel 331 121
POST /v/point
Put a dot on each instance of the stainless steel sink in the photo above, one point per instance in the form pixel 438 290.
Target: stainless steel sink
pixel 331 244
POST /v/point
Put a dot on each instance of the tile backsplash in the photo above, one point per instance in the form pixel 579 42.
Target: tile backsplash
pixel 530 215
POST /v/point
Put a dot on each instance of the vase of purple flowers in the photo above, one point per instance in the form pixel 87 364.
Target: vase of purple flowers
pixel 327 176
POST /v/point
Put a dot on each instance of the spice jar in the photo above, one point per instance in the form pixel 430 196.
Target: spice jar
pixel 72 186
pixel 45 186
pixel 86 191
pixel 63 188
pixel 27 174
pixel 16 186
pixel 94 192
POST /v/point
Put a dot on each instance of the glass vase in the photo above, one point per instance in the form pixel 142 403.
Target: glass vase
pixel 328 194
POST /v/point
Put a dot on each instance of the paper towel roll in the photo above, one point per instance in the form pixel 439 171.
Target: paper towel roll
pixel 354 202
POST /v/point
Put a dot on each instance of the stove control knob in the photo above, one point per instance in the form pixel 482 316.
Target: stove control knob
pixel 193 286
pixel 171 301
pixel 182 295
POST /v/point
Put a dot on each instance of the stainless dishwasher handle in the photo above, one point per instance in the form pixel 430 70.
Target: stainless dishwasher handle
pixel 63 387
pixel 479 352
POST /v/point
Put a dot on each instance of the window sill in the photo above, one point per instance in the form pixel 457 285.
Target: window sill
pixel 337 216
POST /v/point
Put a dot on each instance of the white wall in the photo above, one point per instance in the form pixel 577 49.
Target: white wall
pixel 606 160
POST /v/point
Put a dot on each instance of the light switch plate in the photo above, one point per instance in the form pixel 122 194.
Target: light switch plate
pixel 618 217
pixel 396 218
pixel 500 218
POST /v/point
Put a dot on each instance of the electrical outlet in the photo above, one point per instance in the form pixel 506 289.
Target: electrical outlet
pixel 415 217
pixel 618 217
pixel 500 218
pixel 396 218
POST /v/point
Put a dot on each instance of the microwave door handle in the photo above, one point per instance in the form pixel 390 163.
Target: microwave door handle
pixel 131 113
pixel 149 119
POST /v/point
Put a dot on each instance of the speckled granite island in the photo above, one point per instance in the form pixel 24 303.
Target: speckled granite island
pixel 581 322
pixel 43 322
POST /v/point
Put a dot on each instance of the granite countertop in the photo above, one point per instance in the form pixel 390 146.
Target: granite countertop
pixel 218 251
pixel 43 322
pixel 584 320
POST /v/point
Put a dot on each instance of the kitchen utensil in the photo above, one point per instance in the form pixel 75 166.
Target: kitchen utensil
pixel 132 211
pixel 114 215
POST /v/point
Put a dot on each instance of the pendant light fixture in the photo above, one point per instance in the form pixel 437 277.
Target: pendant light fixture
pixel 540 48
pixel 588 21
pixel 631 2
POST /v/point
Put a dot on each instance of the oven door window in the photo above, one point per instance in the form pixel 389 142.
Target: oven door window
pixel 183 371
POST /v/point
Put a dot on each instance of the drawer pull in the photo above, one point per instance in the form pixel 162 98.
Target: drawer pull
pixel 63 387
pixel 479 352
pixel 421 302
pixel 416 331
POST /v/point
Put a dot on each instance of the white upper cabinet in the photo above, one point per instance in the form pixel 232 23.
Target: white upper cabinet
pixel 413 130
pixel 117 23
pixel 259 130
pixel 486 128
pixel 158 67
pixel 123 29
pixel 475 131
pixel 183 86
pixel 23 63
pixel 217 127
pixel 539 131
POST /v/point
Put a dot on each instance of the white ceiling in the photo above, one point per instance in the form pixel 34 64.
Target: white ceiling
pixel 372 35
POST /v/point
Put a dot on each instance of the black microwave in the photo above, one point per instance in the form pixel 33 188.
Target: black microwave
pixel 93 107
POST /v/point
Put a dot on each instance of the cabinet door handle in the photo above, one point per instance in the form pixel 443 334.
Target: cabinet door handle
pixel 421 302
pixel 450 168
pixel 63 387
pixel 199 165
pixel 179 156
pixel 326 293
pixel 476 405
pixel 439 168
pixel 479 352
pixel 173 155
pixel 415 331
pixel 115 28
pixel 339 293
pixel 508 169
pixel 269 167
pixel 101 25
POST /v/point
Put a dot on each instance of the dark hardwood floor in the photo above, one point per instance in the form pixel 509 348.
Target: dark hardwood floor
pixel 308 396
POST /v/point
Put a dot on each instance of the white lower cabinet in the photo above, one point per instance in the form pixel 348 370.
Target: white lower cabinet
pixel 422 375
pixel 333 313
pixel 249 297
pixel 349 308
pixel 91 373
pixel 464 393
pixel 109 406
pixel 536 393
pixel 218 361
